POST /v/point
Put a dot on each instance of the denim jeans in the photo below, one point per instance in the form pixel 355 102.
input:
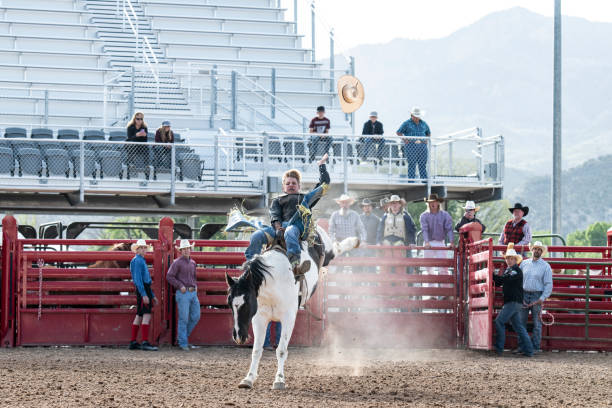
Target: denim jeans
pixel 511 312
pixel 277 329
pixel 259 239
pixel 188 315
pixel 416 154
pixel 536 311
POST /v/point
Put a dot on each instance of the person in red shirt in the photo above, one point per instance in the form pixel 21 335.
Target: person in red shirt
pixel 321 142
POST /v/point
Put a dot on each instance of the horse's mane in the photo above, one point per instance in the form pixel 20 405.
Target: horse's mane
pixel 254 274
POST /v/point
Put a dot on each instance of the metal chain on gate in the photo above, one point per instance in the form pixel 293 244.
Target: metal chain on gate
pixel 40 263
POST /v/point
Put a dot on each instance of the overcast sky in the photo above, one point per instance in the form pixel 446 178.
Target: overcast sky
pixel 377 21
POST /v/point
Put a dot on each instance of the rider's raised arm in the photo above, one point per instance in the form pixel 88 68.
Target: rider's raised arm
pixel 323 174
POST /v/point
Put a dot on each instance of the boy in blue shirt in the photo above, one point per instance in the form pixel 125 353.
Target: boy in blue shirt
pixel 144 297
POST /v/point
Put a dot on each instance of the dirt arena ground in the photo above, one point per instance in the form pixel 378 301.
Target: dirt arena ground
pixel 208 377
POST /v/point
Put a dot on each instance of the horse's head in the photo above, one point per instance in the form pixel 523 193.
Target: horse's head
pixel 242 297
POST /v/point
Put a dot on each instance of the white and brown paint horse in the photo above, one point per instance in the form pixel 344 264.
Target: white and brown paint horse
pixel 267 291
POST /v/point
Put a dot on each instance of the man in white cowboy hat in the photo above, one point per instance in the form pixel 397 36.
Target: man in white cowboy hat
pixel 345 223
pixel 517 230
pixel 415 149
pixel 372 144
pixel 512 282
pixel 144 297
pixel 469 215
pixel 537 287
pixel 182 277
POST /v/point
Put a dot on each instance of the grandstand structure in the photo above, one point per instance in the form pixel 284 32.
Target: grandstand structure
pixel 235 80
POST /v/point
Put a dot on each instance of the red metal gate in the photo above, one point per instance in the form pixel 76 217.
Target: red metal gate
pixel 480 295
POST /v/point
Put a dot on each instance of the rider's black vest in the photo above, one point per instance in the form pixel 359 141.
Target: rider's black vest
pixel 284 207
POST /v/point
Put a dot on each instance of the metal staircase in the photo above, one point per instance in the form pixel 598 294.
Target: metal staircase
pixel 125 54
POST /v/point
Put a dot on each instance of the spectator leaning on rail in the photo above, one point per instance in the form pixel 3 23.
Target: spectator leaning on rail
pixel 517 230
pixel 144 297
pixel 162 153
pixel 415 150
pixel 469 216
pixel 512 282
pixel 182 276
pixel 537 287
pixel 282 210
pixel 319 143
pixel 345 223
pixel 137 132
pixel 372 146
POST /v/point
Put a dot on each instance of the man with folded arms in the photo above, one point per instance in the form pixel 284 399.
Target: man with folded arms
pixel 182 276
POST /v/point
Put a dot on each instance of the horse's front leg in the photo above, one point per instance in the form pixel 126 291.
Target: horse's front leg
pixel 287 324
pixel 259 334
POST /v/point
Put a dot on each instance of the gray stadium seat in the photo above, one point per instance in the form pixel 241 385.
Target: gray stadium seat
pixel 15 132
pixel 110 164
pixel 89 162
pixel 7 161
pixel 294 147
pixel 275 149
pixel 30 161
pixel 68 134
pixel 58 162
pixel 44 145
pixel 41 133
pixel 117 135
pixel 190 166
pixel 93 135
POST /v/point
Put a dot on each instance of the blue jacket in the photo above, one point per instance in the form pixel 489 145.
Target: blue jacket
pixel 410 228
pixel 140 274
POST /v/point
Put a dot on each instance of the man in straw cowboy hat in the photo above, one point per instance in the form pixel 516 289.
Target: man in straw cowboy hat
pixel 287 219
pixel 537 287
pixel 396 227
pixel 512 282
pixel 415 149
pixel 144 297
pixel 517 230
pixel 469 215
pixel 182 276
pixel 344 222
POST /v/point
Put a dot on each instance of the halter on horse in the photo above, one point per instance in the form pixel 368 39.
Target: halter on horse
pixel 267 291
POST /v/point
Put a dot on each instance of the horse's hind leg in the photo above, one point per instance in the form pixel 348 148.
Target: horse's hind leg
pixel 259 333
pixel 287 323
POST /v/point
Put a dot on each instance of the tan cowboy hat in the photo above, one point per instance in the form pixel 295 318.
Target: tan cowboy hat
pixel 139 244
pixel 434 197
pixel 511 252
pixel 350 93
pixel 344 197
pixel 184 243
pixel 538 244
pixel 470 205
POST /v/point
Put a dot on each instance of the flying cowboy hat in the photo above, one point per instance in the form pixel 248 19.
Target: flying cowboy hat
pixel 538 244
pixel 470 205
pixel 139 244
pixel 350 93
pixel 511 252
pixel 344 197
pixel 519 206
pixel 184 243
pixel 434 197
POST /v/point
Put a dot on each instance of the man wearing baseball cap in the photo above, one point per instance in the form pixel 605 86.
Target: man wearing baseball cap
pixel 372 145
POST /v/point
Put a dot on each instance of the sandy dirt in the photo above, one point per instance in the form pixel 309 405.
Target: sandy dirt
pixel 208 377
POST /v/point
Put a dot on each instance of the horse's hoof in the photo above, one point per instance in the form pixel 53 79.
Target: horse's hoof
pixel 246 384
pixel 278 386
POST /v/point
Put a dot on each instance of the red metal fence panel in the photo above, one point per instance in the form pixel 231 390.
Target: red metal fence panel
pixel 480 295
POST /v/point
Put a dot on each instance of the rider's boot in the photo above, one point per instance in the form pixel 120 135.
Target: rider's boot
pixel 298 269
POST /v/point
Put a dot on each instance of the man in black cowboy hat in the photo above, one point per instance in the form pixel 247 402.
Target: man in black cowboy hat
pixel 370 221
pixel 517 230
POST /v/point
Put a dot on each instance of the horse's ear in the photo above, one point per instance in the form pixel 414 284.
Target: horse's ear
pixel 230 281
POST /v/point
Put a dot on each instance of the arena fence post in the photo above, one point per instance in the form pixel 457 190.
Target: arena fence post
pixel 163 258
pixel 9 272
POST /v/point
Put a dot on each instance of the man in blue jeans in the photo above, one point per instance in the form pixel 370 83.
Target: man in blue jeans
pixel 512 282
pixel 277 333
pixel 415 150
pixel 537 287
pixel 286 219
pixel 182 276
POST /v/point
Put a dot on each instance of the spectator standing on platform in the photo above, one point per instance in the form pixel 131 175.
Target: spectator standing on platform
pixel 319 143
pixel 415 150
pixel 137 132
pixel 182 276
pixel 345 223
pixel 144 297
pixel 162 153
pixel 517 230
pixel 370 221
pixel 512 282
pixel 372 146
pixel 537 287
pixel 469 216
